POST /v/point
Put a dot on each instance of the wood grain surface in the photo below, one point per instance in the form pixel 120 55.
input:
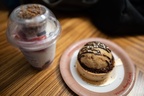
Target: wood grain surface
pixel 18 78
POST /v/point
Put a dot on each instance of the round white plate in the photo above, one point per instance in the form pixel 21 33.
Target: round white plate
pixel 120 81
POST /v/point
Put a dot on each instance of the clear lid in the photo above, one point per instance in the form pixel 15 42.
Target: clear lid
pixel 32 25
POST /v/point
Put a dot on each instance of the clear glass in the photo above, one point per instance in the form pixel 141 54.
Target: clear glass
pixel 35 36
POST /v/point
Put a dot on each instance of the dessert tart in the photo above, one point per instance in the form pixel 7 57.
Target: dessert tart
pixel 95 61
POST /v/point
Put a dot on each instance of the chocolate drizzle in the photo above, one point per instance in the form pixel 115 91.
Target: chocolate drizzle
pixel 93 48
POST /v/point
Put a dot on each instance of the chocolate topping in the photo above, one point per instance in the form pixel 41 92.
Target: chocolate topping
pixel 94 48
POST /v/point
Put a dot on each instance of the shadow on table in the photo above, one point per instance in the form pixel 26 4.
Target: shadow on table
pixel 12 73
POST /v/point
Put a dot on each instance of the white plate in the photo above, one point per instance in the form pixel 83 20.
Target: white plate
pixel 120 81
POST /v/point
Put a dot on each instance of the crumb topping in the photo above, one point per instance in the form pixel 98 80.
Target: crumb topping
pixel 30 11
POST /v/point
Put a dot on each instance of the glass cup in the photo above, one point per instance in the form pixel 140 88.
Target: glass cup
pixel 34 29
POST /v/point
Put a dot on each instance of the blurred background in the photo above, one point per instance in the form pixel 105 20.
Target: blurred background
pixel 113 17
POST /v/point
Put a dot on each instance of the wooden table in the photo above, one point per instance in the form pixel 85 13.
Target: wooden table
pixel 18 78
